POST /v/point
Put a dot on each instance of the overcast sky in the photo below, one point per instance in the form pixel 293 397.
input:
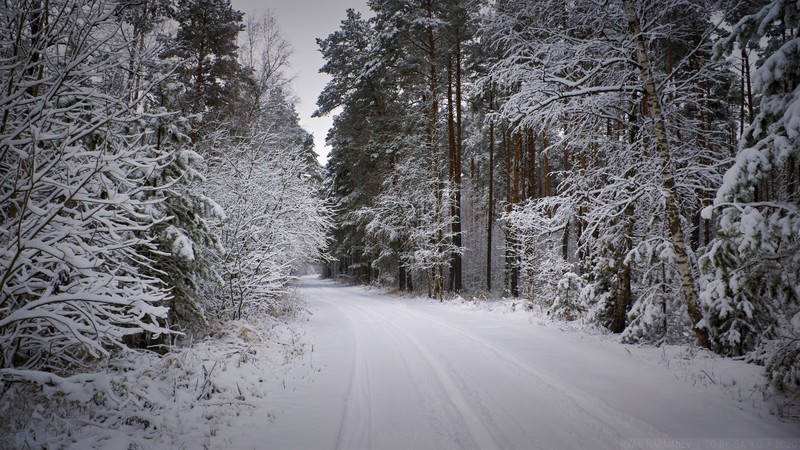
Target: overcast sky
pixel 302 21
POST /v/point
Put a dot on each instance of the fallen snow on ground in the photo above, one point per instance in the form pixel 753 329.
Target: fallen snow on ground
pixel 413 373
pixel 177 401
pixel 365 370
pixel 733 378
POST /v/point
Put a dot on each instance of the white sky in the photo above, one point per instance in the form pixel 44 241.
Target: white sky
pixel 301 22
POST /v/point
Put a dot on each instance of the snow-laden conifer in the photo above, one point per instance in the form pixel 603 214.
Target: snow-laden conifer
pixel 752 271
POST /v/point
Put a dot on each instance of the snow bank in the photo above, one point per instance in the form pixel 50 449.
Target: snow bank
pixel 733 378
pixel 145 400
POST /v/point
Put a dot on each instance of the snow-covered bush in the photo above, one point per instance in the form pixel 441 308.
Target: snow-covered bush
pixel 657 315
pixel 534 232
pixel 568 304
pixel 274 220
pixel 74 280
pixel 782 367
pixel 147 400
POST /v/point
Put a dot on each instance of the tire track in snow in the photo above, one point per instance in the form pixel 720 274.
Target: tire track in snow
pixel 563 409
pixel 480 427
pixel 534 427
pixel 354 429
pixel 383 377
pixel 606 420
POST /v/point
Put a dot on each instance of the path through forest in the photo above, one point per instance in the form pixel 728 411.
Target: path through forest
pixel 390 372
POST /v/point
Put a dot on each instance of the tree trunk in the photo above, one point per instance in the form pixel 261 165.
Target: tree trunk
pixel 437 282
pixel 671 210
pixel 515 190
pixel 457 263
pixel 515 199
pixel 507 160
pixel 580 222
pixel 749 87
pixel 508 156
pixel 507 172
pixel 198 93
pixel 531 164
pixel 546 169
pixel 39 23
pixel 622 303
pixel 454 140
pixel 451 141
pixel 742 95
pixel 490 213
pixel 565 237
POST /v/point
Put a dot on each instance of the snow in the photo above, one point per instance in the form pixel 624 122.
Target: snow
pixel 182 247
pixel 368 370
pixel 181 244
pixel 146 401
pixel 390 372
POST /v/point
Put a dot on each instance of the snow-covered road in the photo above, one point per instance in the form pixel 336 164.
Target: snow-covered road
pixel 393 373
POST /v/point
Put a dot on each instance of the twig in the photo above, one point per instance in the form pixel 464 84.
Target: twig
pixel 709 376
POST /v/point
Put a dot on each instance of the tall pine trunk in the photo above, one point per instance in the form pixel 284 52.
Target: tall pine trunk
pixel 459 151
pixel 490 214
pixel 454 275
pixel 437 277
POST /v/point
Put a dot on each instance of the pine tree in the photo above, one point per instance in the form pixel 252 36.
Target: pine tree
pixel 187 247
pixel 362 139
pixel 207 36
pixel 391 74
pixel 753 268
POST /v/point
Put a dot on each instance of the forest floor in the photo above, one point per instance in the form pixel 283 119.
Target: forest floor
pixel 366 370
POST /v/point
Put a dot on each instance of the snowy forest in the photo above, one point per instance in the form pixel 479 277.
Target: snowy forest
pixel 155 181
pixel 632 165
